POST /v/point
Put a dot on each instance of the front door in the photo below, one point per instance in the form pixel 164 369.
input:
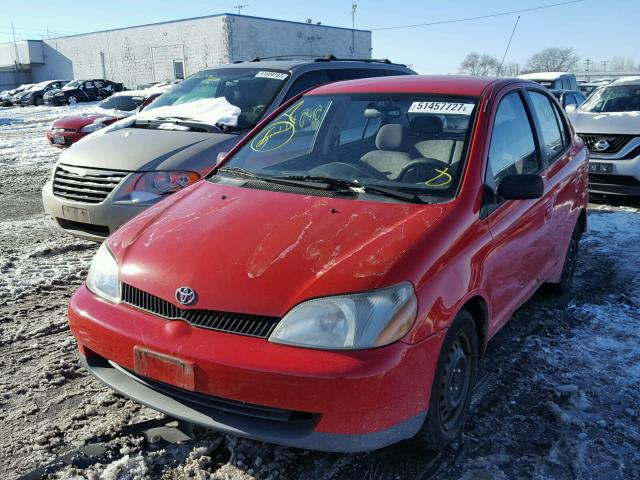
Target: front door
pixel 520 249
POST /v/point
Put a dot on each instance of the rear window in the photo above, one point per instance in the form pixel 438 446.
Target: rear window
pixel 125 103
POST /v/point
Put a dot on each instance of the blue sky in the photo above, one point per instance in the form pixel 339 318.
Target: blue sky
pixel 595 29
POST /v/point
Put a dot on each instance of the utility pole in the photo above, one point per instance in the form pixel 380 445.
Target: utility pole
pixel 587 63
pixel 604 64
pixel 240 7
pixel 354 6
pixel 15 46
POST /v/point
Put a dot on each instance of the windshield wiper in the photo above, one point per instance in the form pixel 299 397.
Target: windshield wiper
pixel 235 130
pixel 328 183
pixel 238 172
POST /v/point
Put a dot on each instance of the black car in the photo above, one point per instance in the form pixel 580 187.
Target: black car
pixel 35 94
pixel 82 91
pixel 569 97
pixel 7 95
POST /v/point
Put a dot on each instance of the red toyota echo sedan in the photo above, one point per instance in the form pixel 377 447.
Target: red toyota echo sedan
pixel 331 284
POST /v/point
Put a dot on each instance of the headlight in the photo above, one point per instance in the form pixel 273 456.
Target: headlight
pixel 160 183
pixel 355 321
pixel 92 127
pixel 102 279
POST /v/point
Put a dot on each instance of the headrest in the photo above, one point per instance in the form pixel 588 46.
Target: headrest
pixel 390 137
pixel 426 125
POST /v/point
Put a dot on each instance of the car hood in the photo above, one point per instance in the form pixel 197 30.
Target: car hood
pixel 255 251
pixel 139 149
pixel 77 121
pixel 615 123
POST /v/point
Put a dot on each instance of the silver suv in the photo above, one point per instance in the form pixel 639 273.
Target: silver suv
pixel 112 175
pixel 609 123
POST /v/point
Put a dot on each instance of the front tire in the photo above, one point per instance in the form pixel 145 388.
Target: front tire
pixel 72 100
pixel 569 265
pixel 38 101
pixel 452 385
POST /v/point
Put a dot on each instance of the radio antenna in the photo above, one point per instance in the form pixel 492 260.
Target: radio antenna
pixel 499 72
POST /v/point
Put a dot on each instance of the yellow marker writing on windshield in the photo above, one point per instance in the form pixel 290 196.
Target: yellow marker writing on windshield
pixel 443 178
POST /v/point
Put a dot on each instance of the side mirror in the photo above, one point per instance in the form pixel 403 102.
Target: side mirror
pixel 220 157
pixel 521 187
pixel 570 108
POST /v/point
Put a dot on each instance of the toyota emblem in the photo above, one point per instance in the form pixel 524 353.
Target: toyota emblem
pixel 602 145
pixel 186 296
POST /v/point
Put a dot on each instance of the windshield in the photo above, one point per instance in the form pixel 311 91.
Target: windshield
pixel 251 90
pixel 74 84
pixel 125 103
pixel 619 98
pixel 40 86
pixel 405 142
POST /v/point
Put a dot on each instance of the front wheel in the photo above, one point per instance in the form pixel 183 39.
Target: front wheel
pixel 72 100
pixel 452 385
pixel 38 101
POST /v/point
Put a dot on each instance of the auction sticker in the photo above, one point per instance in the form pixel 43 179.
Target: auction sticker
pixel 272 75
pixel 444 108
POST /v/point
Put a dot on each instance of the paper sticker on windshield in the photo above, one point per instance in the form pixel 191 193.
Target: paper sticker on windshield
pixel 272 75
pixel 443 108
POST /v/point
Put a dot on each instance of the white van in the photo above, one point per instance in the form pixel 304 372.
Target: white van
pixel 553 80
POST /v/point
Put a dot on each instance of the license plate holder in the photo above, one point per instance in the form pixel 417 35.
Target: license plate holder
pixel 164 368
pixel 599 167
pixel 76 214
pixel 59 140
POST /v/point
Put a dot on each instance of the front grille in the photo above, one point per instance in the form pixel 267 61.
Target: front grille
pixel 230 406
pixel 597 178
pixel 616 142
pixel 87 185
pixel 259 326
pixel 99 230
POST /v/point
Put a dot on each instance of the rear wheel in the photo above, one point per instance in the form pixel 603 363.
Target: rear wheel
pixel 452 385
pixel 72 100
pixel 569 266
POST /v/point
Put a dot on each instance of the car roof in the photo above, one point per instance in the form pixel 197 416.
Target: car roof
pixel 544 75
pixel 439 84
pixel 320 63
pixel 634 81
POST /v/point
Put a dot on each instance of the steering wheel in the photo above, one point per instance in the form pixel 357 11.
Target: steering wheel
pixel 426 170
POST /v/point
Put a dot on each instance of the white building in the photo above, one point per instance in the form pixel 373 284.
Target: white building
pixel 175 49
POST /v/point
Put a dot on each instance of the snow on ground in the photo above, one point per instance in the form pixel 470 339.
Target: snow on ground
pixel 558 393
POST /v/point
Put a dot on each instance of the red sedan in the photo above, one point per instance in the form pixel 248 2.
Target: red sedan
pixel 332 283
pixel 67 130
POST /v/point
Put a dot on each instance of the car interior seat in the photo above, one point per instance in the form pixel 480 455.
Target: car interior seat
pixel 428 133
pixel 389 157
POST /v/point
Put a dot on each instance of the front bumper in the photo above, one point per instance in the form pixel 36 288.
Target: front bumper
pixel 55 100
pixel 358 400
pixel 623 180
pixel 69 137
pixel 104 217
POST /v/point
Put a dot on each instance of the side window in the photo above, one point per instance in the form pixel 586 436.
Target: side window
pixel 306 81
pixel 580 99
pixel 99 84
pixel 512 150
pixel 550 127
pixel 88 85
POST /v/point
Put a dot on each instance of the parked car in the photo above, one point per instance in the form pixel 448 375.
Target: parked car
pixel 609 123
pixel 35 94
pixel 569 97
pixel 82 91
pixel 7 96
pixel 175 141
pixel 332 283
pixel 588 88
pixel 67 130
pixel 553 80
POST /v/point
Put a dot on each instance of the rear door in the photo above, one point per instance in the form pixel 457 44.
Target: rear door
pixel 559 173
pixel 520 249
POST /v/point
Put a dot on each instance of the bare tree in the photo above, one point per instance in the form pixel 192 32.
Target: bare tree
pixel 479 64
pixel 622 64
pixel 510 69
pixel 553 59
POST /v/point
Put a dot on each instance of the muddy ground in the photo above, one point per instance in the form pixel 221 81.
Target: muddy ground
pixel 558 395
